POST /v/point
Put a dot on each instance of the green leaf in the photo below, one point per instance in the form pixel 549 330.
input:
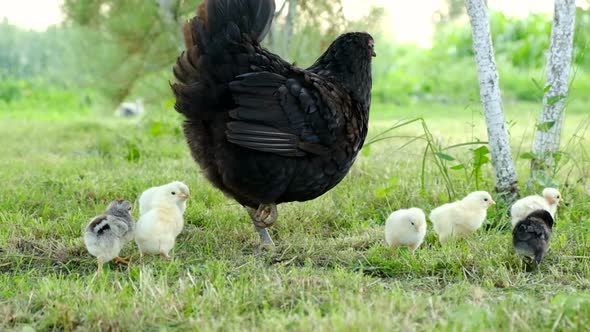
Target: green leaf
pixel 528 155
pixel 481 160
pixel 366 151
pixel 545 126
pixel 481 151
pixel 458 167
pixel 547 88
pixel 554 100
pixel 444 156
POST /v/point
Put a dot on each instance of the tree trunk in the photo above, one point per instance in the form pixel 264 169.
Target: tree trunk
pixel 270 39
pixel 559 59
pixel 169 13
pixel 489 83
pixel 289 25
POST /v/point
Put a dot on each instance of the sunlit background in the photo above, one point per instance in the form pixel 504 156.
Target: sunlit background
pixel 406 20
pixel 113 51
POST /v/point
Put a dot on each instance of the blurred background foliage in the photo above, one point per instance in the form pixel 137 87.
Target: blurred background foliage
pixel 108 51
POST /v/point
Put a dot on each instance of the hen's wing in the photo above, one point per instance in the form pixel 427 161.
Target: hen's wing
pixel 287 116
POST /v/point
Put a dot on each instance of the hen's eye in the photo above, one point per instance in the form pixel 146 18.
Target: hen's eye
pixel 173 193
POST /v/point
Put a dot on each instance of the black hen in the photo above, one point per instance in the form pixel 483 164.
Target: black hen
pixel 530 236
pixel 262 130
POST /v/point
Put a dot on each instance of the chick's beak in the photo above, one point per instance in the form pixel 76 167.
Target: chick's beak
pixel 184 196
pixel 493 202
pixel 373 54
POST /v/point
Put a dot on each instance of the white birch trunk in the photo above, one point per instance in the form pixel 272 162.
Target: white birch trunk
pixel 489 83
pixel 289 24
pixel 559 59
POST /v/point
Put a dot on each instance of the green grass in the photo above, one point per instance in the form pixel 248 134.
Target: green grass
pixel 330 270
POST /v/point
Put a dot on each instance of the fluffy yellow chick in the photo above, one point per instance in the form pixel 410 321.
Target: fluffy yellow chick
pixel 405 228
pixel 525 206
pixel 162 220
pixel 461 218
pixel 146 200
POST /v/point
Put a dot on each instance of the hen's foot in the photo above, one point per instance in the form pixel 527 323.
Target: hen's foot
pixel 121 260
pixel 265 216
pixel 266 243
pixel 164 255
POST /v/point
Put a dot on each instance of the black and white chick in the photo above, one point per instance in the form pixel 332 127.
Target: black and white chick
pixel 530 236
pixel 107 233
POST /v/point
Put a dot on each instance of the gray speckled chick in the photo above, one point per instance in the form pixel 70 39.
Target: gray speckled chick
pixel 106 234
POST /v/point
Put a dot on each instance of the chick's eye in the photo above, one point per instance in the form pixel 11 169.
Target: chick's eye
pixel 485 199
pixel 557 197
pixel 412 222
pixel 173 193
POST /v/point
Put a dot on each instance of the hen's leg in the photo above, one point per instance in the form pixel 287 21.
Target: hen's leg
pixel 266 242
pixel 265 216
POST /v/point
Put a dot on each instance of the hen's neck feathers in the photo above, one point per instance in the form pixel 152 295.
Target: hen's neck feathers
pixel 350 69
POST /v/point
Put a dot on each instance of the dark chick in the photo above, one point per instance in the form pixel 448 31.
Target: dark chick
pixel 106 234
pixel 263 130
pixel 530 236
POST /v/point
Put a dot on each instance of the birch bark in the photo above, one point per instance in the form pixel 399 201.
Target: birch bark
pixel 506 180
pixel 559 59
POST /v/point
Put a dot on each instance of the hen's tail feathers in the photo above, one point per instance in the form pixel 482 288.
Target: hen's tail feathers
pixel 252 17
pixel 218 23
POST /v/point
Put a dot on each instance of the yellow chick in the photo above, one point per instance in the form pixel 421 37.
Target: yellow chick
pixel 525 206
pixel 461 218
pixel 405 228
pixel 146 198
pixel 162 220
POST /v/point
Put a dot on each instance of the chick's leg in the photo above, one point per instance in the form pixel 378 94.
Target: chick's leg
pixel 121 260
pixel 99 265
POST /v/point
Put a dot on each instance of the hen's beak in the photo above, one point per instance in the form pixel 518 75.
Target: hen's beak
pixel 373 53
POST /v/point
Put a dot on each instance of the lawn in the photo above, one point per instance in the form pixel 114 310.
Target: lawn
pixel 330 270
